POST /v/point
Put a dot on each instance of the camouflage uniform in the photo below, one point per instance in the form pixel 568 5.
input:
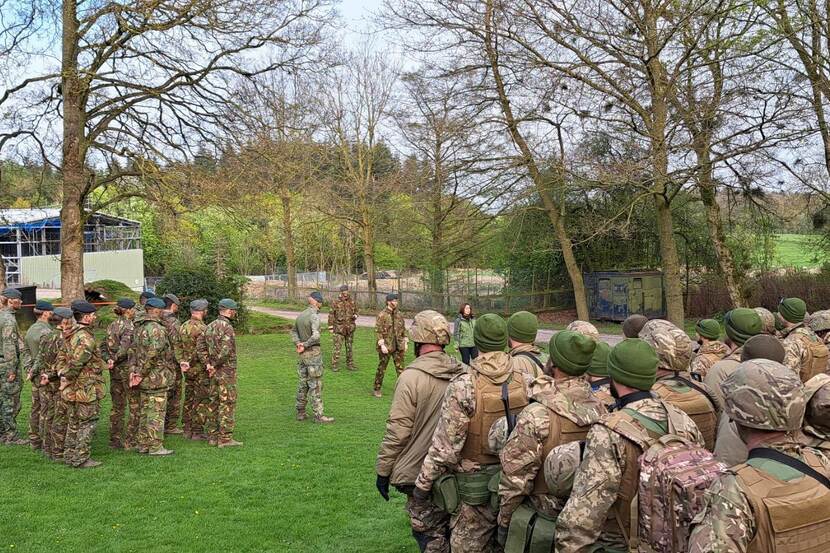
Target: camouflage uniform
pixel 523 363
pixel 390 328
pixel 585 328
pixel 60 408
pixel 342 323
pixel 14 357
pixel 306 331
pixel 707 355
pixel 34 337
pixel 174 394
pixel 46 365
pixel 151 350
pixel 133 392
pixel 192 349
pixel 116 348
pixel 796 353
pixel 220 343
pixel 82 375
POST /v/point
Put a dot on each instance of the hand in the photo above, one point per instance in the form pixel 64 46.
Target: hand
pixel 10 377
pixel 418 493
pixel 110 364
pixel 185 366
pixel 64 383
pixel 44 380
pixel 300 348
pixel 135 380
pixel 384 349
pixel 211 370
pixel 501 535
pixel 30 375
pixel 382 484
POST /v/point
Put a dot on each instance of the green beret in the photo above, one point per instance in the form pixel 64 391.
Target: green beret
pixel 523 326
pixel 742 324
pixel 708 328
pixel 599 361
pixel 792 309
pixel 490 333
pixel 155 303
pixel 633 363
pixel 12 293
pixel 228 303
pixel 571 352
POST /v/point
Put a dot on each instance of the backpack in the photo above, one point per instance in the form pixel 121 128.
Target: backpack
pixel 817 354
pixel 695 401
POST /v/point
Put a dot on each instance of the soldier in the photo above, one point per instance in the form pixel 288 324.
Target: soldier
pixel 597 374
pixel 806 353
pixel 773 502
pixel 562 409
pixel 816 428
pixel 632 326
pixel 191 350
pixel 585 328
pixel 740 324
pixel 522 327
pixel 306 337
pixel 674 384
pixel 460 452
pixel 413 417
pixel 142 301
pixel 767 320
pixel 152 375
pixel 820 324
pixel 115 351
pixel 46 370
pixel 171 324
pixel 391 340
pixel 342 324
pixel 34 336
pixel 710 350
pixel 220 343
pixel 598 511
pixel 14 356
pixel 82 387
pixel 59 408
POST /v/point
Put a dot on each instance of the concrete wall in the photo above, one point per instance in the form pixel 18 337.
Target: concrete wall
pixel 125 266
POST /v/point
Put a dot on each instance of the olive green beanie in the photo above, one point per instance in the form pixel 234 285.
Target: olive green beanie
pixel 742 324
pixel 708 328
pixel 522 326
pixel 571 352
pixel 490 333
pixel 599 361
pixel 633 363
pixel 792 309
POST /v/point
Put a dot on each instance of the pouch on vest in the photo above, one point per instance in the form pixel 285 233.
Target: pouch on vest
pixel 530 531
pixel 445 494
pixel 493 487
pixel 474 487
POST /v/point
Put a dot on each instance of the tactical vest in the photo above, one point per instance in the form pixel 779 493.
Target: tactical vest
pixel 562 431
pixel 790 517
pixel 816 362
pixel 693 403
pixel 489 408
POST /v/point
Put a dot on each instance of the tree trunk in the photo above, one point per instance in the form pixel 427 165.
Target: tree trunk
pixel 74 178
pixel 437 253
pixel 369 261
pixel 288 245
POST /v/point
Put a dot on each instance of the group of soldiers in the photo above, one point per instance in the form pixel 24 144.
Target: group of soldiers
pixel 652 445
pixel 155 364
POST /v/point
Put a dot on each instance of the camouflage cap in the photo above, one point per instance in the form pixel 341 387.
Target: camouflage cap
pixel 672 345
pixel 765 395
pixel 585 328
pixel 560 468
pixel 767 320
pixel 820 321
pixel 817 414
pixel 430 327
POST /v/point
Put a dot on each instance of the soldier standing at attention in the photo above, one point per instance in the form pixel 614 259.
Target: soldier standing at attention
pixel 306 338
pixel 220 342
pixel 171 323
pixel 462 333
pixel 152 375
pixel 57 432
pixel 82 387
pixel 13 355
pixel 391 340
pixel 710 348
pixel 342 325
pixel 115 351
pixel 806 353
pixel 142 301
pixel 522 327
pixel 34 337
pixel 46 369
pixel 192 354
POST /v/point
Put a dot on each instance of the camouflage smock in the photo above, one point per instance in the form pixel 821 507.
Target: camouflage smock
pixel 117 346
pixel 220 341
pixel 707 356
pixel 390 328
pixel 82 366
pixel 151 347
pixel 343 314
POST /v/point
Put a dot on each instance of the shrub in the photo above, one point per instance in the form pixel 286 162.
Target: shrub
pixel 190 283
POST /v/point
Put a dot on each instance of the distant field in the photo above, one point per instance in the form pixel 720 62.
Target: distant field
pixel 798 250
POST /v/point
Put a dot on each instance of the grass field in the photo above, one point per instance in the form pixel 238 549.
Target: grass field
pixel 293 487
pixel 799 251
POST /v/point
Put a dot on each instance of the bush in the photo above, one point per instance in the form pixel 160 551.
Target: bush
pixel 190 283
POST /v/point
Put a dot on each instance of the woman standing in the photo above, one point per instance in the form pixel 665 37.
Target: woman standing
pixel 465 322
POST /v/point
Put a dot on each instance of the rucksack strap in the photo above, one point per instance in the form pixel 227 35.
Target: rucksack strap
pixel 651 425
pixel 700 389
pixel 532 358
pixel 792 462
pixel 631 398
pixel 505 399
pixel 601 382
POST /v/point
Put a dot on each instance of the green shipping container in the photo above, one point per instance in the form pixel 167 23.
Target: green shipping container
pixel 614 295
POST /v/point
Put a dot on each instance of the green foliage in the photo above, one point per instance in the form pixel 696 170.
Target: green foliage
pixel 799 251
pixel 190 283
pixel 386 257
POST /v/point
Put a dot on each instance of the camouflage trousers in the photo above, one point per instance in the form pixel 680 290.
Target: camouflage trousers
pixel 224 402
pixel 341 340
pixel 383 361
pixel 118 392
pixel 48 402
pixel 430 525
pixel 80 429
pixel 134 418
pixel 474 530
pixel 34 417
pixel 151 425
pixel 310 381
pixel 174 395
pixel 58 427
pixel 9 409
pixel 196 403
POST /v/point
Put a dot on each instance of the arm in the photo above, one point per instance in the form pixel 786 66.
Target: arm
pixel 295 337
pixel 80 352
pixel 398 426
pixel 521 460
pixel 182 345
pixel 221 344
pixel 201 348
pixel 727 524
pixel 314 339
pixel 125 341
pixel 793 352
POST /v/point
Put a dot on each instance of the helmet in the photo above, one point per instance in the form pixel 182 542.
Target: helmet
pixel 820 321
pixel 430 327
pixel 672 345
pixel 585 328
pixel 560 468
pixel 765 395
pixel 767 320
pixel 497 436
pixel 817 415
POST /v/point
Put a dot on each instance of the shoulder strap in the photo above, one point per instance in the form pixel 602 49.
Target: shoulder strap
pixel 792 462
pixel 650 424
pixel 532 358
pixel 505 398
pixel 700 389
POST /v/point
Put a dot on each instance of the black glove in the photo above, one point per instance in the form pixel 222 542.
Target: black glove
pixel 501 535
pixel 418 493
pixel 382 484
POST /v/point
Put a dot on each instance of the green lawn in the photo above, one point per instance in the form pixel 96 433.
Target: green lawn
pixel 798 250
pixel 293 487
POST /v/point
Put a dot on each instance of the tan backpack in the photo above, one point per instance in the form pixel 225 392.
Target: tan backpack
pixel 817 354
pixel 489 408
pixel 693 400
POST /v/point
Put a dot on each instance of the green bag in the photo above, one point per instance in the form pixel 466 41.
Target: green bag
pixel 445 494
pixel 474 487
pixel 530 531
pixel 493 487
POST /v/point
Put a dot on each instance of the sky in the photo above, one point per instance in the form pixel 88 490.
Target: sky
pixel 357 15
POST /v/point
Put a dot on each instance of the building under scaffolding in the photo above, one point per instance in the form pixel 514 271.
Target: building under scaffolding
pixel 30 246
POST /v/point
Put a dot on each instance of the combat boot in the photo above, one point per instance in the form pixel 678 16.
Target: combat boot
pixel 322 419
pixel 212 441
pixel 352 368
pixel 301 416
pixel 14 440
pixel 229 443
pixel 161 452
pixel 198 437
pixel 188 435
pixel 377 393
pixel 89 464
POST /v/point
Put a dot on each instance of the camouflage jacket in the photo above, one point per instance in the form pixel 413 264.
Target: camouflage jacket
pixel 151 354
pixel 14 356
pixel 588 518
pixel 727 523
pixel 34 338
pixel 796 353
pixel 171 325
pixel 526 365
pixel 390 328
pixel 117 346
pixel 718 372
pixel 47 357
pixel 708 355
pixel 82 367
pixel 191 347
pixel 523 455
pixel 343 315
pixel 220 340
